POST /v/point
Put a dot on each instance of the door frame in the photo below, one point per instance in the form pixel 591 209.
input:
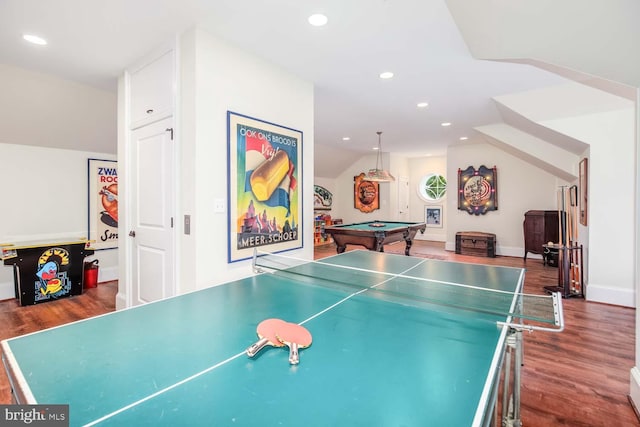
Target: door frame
pixel 125 246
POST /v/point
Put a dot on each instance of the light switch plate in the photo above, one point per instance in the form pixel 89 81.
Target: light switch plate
pixel 218 206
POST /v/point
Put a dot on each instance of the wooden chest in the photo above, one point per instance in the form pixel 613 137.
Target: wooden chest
pixel 476 243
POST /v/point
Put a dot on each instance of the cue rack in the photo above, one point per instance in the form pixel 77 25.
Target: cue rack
pixel 570 259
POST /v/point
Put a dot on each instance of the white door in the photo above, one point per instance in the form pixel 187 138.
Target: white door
pixel 403 198
pixel 152 237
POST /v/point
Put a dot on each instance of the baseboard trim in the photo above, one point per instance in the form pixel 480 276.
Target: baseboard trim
pixel 500 251
pixel 609 295
pixel 108 274
pixel 121 301
pixel 634 389
pixel 7 291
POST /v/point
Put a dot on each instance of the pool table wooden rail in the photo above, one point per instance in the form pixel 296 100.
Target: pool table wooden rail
pixel 374 238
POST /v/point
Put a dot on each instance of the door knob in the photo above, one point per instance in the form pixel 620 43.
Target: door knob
pixel 132 233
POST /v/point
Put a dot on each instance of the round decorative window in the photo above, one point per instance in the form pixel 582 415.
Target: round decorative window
pixel 432 187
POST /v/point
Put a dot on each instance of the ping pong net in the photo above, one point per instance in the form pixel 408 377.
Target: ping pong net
pixel 514 309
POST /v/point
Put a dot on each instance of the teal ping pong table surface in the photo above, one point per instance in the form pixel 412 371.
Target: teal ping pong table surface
pixel 377 358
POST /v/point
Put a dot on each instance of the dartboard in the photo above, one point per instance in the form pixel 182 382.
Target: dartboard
pixel 477 190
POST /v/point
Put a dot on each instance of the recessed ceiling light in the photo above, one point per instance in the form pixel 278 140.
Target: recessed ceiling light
pixel 463 138
pixel 346 138
pixel 386 75
pixel 376 148
pixel 318 20
pixel 445 124
pixel 34 39
pixel 423 104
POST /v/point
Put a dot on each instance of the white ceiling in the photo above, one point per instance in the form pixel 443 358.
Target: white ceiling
pixel 93 41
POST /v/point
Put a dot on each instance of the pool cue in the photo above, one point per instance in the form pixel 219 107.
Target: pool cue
pixel 568 224
pixel 566 280
pixel 560 237
pixel 572 231
pixel 577 267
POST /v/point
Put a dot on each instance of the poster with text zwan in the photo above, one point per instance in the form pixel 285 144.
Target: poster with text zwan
pixel 265 200
pixel 103 204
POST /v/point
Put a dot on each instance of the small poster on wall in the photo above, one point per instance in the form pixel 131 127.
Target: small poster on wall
pixel 366 194
pixel 103 204
pixel 265 202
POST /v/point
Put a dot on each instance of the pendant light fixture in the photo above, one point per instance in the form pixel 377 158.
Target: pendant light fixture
pixel 379 174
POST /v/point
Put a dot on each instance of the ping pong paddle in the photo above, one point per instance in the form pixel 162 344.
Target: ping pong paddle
pixel 266 331
pixel 295 337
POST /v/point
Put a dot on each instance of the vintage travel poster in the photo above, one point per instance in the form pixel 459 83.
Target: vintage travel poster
pixel 265 203
pixel 103 204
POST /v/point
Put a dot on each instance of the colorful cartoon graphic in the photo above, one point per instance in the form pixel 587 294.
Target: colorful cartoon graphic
pixel 109 200
pixel 52 275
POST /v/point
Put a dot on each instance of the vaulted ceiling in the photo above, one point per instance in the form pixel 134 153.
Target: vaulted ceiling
pixel 457 56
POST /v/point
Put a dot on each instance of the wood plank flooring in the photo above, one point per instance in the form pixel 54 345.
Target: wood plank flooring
pixel 579 377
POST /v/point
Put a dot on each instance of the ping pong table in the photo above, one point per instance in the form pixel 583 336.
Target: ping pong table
pixel 383 353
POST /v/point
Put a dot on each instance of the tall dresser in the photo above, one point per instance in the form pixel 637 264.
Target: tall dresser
pixel 540 227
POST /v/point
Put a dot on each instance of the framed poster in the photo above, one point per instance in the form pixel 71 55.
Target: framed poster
pixel 584 190
pixel 478 190
pixel 366 194
pixel 433 216
pixel 103 203
pixel 264 193
pixel 322 198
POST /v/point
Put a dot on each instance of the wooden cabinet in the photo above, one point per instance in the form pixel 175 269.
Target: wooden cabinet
pixel 540 227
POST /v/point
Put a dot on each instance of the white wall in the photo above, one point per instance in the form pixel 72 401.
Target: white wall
pixel 45 190
pixel 611 217
pixel 217 77
pixel 343 196
pixel 521 187
pixel 419 167
pixel 50 127
pixel 43 110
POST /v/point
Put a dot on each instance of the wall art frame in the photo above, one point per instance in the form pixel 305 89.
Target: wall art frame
pixel 264 174
pixel 366 194
pixel 433 216
pixel 583 186
pixel 102 196
pixel 478 190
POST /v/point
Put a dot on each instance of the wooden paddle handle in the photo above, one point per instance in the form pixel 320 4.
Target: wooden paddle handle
pixel 255 348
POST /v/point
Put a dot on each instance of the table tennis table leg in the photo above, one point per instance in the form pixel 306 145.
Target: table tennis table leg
pixel 511 401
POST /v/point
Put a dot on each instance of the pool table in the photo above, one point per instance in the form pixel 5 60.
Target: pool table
pixel 373 235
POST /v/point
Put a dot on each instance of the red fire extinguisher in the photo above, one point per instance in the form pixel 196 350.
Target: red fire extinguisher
pixel 91 274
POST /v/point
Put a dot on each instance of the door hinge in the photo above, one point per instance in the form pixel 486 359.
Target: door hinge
pixel 171 222
pixel 170 130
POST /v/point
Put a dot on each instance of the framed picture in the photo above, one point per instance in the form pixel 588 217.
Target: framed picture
pixel 322 198
pixel 478 190
pixel 583 184
pixel 433 216
pixel 264 193
pixel 366 194
pixel 103 203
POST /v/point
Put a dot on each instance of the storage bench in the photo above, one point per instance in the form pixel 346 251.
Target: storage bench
pixel 476 243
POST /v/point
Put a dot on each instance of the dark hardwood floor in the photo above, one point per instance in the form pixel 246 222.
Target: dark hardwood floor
pixel 579 377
